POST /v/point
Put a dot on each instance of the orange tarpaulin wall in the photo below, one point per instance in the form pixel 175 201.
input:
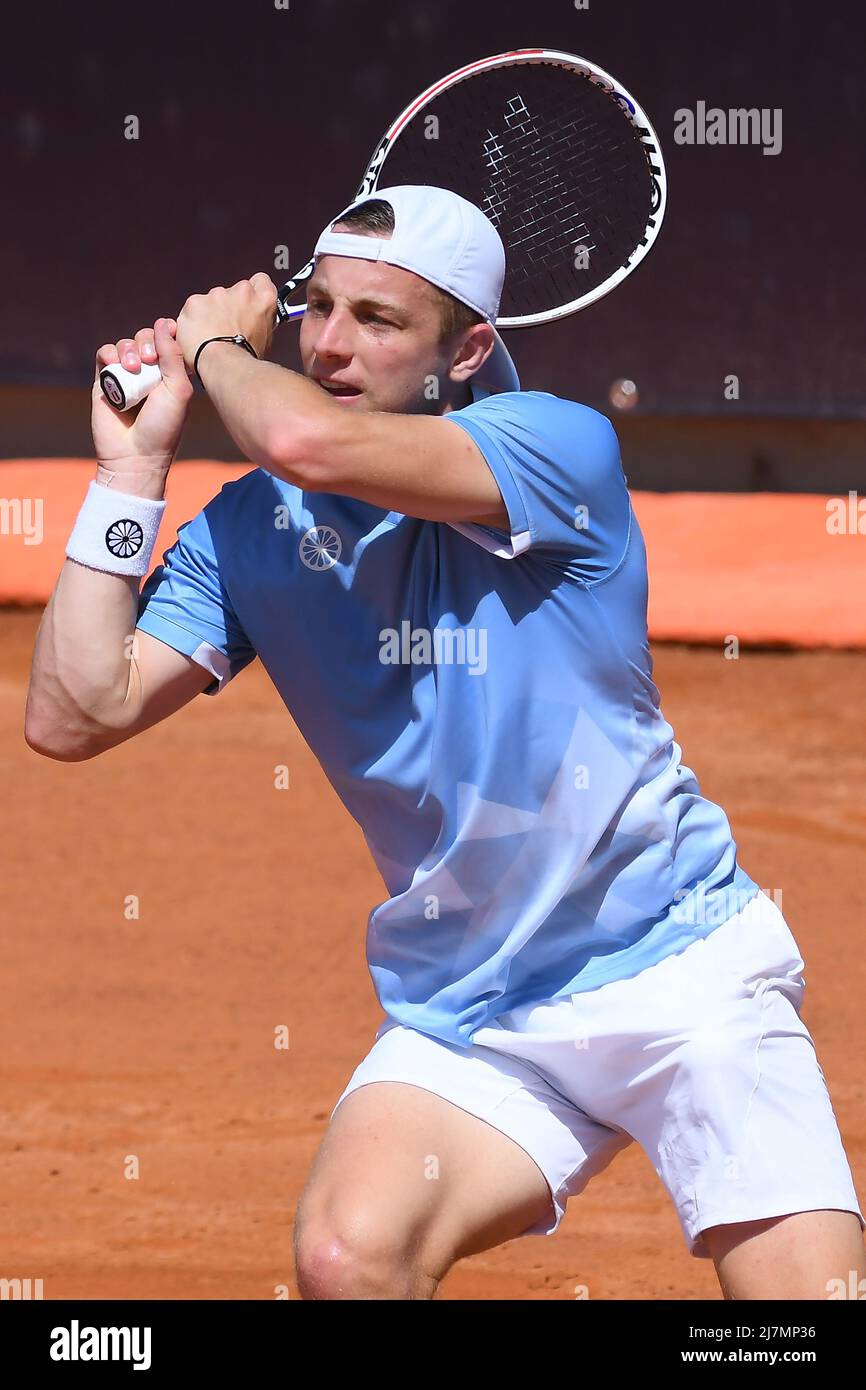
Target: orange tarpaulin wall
pixel 767 568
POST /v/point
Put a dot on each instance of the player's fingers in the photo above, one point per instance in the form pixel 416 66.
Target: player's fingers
pixel 263 284
pixel 144 342
pixel 164 336
pixel 127 351
pixel 171 363
pixel 106 355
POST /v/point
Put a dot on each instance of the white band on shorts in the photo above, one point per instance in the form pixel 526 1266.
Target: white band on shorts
pixel 115 531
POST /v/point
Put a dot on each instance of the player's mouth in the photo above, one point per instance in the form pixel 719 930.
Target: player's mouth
pixel 340 390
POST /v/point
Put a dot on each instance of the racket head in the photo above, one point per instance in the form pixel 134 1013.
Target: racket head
pixel 560 156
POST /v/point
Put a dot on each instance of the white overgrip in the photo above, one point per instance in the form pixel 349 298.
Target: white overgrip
pixel 125 389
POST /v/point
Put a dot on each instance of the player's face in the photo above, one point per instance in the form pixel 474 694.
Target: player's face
pixel 373 329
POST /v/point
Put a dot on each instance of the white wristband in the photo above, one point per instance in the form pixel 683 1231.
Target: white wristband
pixel 115 531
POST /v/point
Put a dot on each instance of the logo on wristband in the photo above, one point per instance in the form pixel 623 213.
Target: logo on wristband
pixel 124 538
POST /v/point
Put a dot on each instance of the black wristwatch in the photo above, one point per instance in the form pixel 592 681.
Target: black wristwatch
pixel 228 338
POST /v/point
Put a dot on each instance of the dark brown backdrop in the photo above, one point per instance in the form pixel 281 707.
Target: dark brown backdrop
pixel 255 124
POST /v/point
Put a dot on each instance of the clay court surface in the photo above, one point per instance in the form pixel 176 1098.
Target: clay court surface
pixel 155 1036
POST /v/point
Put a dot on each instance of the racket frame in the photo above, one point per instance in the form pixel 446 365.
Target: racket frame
pixel 517 57
pixel 125 389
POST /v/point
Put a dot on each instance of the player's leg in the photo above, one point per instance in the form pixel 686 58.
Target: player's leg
pixel 806 1254
pixel 748 1144
pixel 405 1184
pixel 435 1152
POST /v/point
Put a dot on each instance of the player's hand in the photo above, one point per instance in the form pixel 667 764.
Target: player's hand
pixel 149 436
pixel 248 308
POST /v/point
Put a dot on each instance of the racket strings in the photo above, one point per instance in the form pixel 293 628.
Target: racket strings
pixel 554 161
pixel 556 189
pixel 530 192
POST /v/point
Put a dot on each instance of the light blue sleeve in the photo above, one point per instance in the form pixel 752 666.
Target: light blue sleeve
pixel 558 467
pixel 185 604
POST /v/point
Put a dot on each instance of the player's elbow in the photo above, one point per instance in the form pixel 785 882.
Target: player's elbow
pixel 304 452
pixel 58 746
pixel 61 740
pixel 280 455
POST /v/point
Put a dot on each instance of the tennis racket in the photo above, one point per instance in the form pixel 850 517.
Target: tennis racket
pixel 557 154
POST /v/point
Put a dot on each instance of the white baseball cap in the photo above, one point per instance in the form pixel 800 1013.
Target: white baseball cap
pixel 450 242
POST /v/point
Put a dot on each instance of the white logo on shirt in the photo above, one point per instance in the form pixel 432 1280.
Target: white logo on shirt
pixel 320 548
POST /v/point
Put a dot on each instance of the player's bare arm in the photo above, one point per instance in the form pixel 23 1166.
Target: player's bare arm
pixel 419 465
pixel 376 444
pixel 95 681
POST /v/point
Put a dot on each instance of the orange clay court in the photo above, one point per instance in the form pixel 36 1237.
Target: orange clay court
pixel 153 1034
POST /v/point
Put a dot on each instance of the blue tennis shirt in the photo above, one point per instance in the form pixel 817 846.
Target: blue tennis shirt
pixel 482 702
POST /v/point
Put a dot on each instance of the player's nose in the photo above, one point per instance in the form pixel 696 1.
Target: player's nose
pixel 334 336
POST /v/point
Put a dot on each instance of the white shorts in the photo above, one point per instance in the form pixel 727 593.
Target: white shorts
pixel 703 1059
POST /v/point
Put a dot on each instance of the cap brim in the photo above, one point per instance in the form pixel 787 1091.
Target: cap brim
pixel 499 372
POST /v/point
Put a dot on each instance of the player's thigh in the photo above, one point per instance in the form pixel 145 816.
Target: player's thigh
pixel 403 1171
pixel 806 1254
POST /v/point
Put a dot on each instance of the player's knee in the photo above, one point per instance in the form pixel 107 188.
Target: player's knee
pixel 352 1255
pixel 327 1265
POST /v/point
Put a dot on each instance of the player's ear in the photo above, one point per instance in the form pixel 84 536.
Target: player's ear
pixel 472 352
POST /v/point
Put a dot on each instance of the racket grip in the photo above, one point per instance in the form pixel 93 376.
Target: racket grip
pixel 125 389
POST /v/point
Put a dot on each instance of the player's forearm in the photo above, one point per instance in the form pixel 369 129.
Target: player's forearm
pixel 269 411
pixel 82 679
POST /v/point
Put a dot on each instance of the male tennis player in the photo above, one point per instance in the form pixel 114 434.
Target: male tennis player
pixel 443 576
